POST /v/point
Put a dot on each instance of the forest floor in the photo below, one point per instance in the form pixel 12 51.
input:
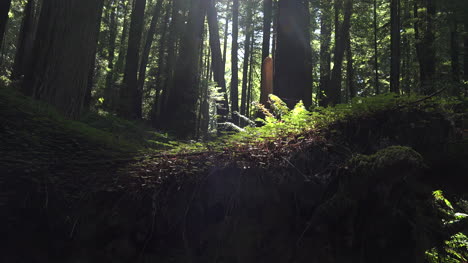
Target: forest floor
pixel 54 170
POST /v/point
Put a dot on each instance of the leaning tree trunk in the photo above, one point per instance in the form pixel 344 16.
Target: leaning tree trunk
pixel 4 9
pixel 25 41
pixel 63 51
pixel 130 96
pixel 293 70
pixel 183 99
pixel 234 61
pixel 395 46
pixel 147 47
pixel 217 60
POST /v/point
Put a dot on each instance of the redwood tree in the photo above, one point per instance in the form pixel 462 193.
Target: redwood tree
pixel 4 9
pixel 63 51
pixel 216 56
pixel 234 60
pixel 293 70
pixel 183 98
pixel 130 96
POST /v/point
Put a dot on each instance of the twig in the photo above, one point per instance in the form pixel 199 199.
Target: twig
pixel 423 99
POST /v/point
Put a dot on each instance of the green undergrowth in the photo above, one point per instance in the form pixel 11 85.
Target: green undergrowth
pixel 282 122
pixel 455 248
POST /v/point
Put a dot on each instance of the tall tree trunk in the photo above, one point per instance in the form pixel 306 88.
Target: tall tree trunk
pixel 175 29
pixel 465 58
pixel 325 55
pixel 92 68
pixel 350 70
pixel 217 60
pixel 340 46
pixel 395 56
pixel 119 65
pixel 245 68
pixel 234 61
pixel 4 9
pixel 130 96
pixel 275 30
pixel 250 82
pixel 147 48
pixel 454 51
pixel 160 78
pixel 182 118
pixel 376 51
pixel 109 92
pixel 63 50
pixel 225 41
pixel 293 72
pixel 267 15
pixel 425 45
pixel 25 41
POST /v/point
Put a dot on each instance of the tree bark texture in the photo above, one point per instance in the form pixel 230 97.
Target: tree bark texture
pixel 130 96
pixel 25 41
pixel 293 70
pixel 4 9
pixel 234 61
pixel 216 58
pixel 183 99
pixel 64 50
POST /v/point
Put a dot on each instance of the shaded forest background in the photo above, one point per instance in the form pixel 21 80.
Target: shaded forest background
pixel 189 66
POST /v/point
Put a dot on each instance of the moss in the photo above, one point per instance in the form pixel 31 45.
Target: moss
pixel 399 159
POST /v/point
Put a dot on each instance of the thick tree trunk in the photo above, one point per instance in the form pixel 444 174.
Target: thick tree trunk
pixel 325 55
pixel 293 70
pixel 267 17
pixel 147 48
pixel 4 9
pixel 160 78
pixel 267 14
pixel 395 56
pixel 234 61
pixel 130 96
pixel 63 50
pixel 182 118
pixel 25 41
pixel 175 29
pixel 334 94
pixel 109 91
pixel 425 46
pixel 267 81
pixel 217 60
pixel 245 68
